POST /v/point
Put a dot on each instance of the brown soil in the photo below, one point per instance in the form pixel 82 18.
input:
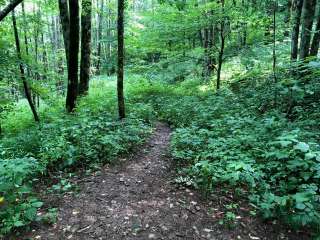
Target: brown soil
pixel 138 200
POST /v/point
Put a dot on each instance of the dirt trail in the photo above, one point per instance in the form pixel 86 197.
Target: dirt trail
pixel 139 201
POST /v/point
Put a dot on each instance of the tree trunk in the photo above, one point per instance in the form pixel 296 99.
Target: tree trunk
pixel 211 49
pixel 308 11
pixel 25 27
pixel 316 37
pixel 65 24
pixel 109 34
pixel 26 43
pixel 297 9
pixel 52 36
pixel 206 54
pixel 274 53
pixel 287 17
pixel 10 7
pixel 24 81
pixel 44 57
pixel 243 33
pixel 36 49
pixel 72 90
pixel 220 59
pixel 288 11
pixel 222 46
pixel 121 103
pixel 99 36
pixel 85 46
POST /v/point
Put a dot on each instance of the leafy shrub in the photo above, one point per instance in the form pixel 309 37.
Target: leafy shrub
pixel 94 140
pixel 62 145
pixel 92 135
pixel 246 141
pixel 18 206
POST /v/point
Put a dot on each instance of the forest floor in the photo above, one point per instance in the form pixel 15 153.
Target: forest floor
pixel 139 200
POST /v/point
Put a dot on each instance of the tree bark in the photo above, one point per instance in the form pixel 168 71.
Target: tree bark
pixel 85 46
pixel 36 48
pixel 222 46
pixel 206 53
pixel 10 7
pixel 65 24
pixel 274 53
pixel 109 33
pixel 99 36
pixel 44 57
pixel 316 37
pixel 121 103
pixel 23 78
pixel 297 9
pixel 220 58
pixel 287 17
pixel 72 90
pixel 308 11
pixel 25 27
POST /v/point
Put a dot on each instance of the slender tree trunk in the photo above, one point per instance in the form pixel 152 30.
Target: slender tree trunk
pixel 36 45
pixel 72 90
pixel 60 60
pixel 44 57
pixel 308 11
pixel 53 40
pixel 287 17
pixel 85 46
pixel 25 27
pixel 222 46
pixel 316 37
pixel 24 81
pixel 25 30
pixel 65 24
pixel 274 55
pixel 51 33
pixel 244 27
pixel 99 36
pixel 36 48
pixel 297 9
pixel 220 59
pixel 206 54
pixel 109 34
pixel 201 38
pixel 288 11
pixel 214 38
pixel 121 103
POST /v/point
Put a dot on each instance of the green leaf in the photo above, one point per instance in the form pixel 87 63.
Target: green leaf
pixel 303 147
pixel 302 197
pixel 300 206
pixel 18 224
pixel 31 213
pixel 37 204
pixel 285 143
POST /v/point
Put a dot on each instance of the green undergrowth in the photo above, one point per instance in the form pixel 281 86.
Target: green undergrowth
pixel 259 138
pixel 91 136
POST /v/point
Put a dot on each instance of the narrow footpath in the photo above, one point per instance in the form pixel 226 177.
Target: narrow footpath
pixel 138 200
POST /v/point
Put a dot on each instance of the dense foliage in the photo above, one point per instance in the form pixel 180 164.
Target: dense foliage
pixel 238 81
pixel 86 139
pixel 244 139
